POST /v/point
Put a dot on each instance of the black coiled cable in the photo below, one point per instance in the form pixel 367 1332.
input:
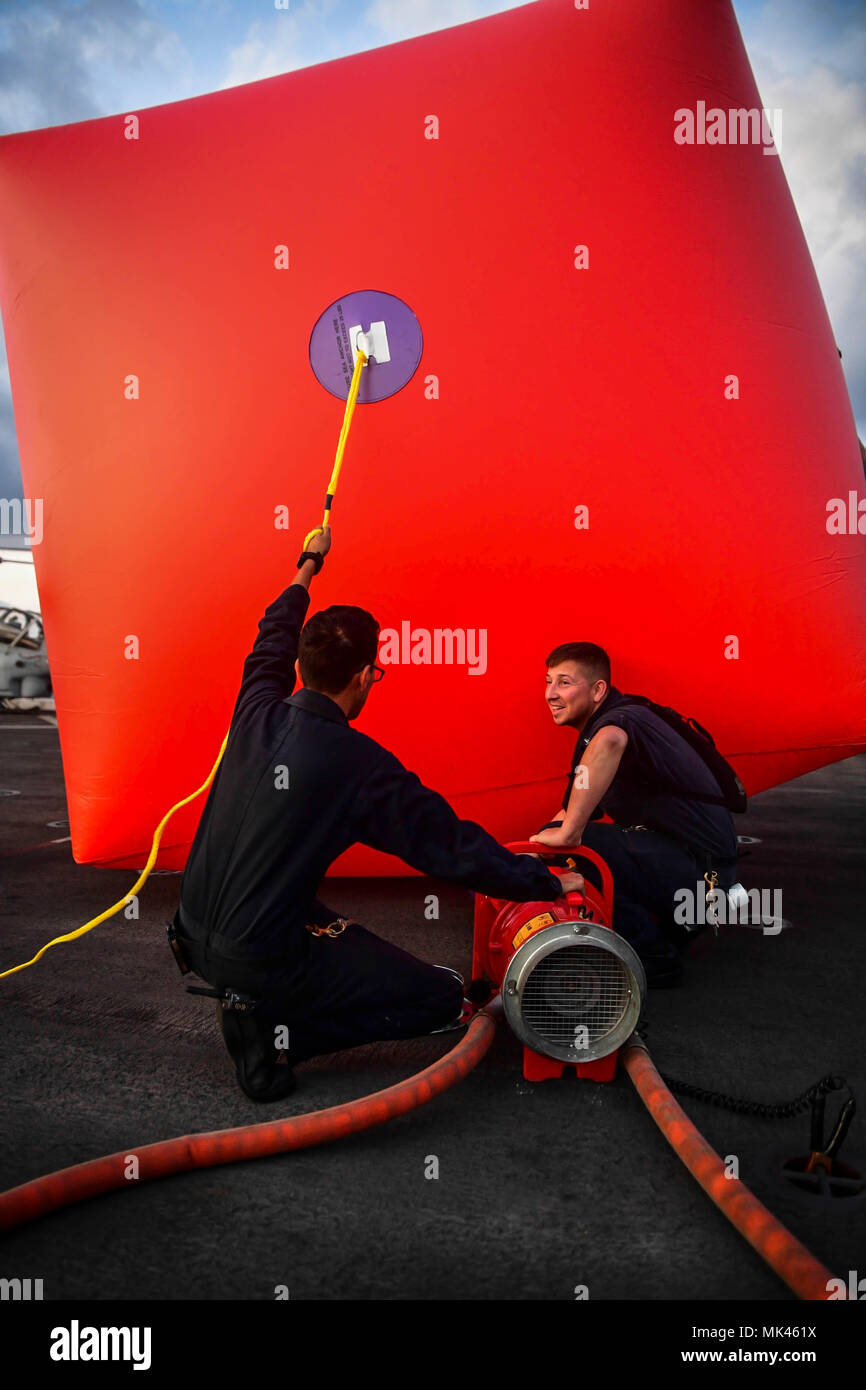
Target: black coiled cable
pixel 783 1111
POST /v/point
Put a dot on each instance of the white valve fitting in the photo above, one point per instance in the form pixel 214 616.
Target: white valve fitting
pixel 374 342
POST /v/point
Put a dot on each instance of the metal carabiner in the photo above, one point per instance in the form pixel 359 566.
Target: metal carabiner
pixel 333 928
pixel 711 879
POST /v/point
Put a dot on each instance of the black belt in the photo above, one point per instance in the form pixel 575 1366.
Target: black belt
pixel 697 852
pixel 196 934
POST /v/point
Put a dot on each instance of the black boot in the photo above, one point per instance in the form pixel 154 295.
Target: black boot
pixel 250 1043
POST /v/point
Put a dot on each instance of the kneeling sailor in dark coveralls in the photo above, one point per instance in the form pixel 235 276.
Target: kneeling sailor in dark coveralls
pixel 296 787
pixel 671 825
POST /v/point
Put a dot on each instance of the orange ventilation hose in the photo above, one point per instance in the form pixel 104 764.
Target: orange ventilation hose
pixel 790 1260
pixel 793 1263
pixel 32 1199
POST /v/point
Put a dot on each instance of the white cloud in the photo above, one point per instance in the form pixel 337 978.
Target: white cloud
pixel 54 62
pixel 269 48
pixel 403 19
pixel 808 58
pixel 791 36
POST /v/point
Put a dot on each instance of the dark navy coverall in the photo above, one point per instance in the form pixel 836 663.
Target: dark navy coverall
pixel 297 786
pixel 651 788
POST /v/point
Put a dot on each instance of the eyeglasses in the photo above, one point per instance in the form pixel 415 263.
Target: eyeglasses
pixel 378 673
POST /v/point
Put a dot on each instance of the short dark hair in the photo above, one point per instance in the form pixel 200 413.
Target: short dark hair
pixel 594 660
pixel 334 645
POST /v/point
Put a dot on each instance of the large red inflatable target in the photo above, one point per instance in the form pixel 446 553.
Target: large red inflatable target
pixel 624 424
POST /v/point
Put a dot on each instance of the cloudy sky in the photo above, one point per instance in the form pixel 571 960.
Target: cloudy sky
pixel 71 60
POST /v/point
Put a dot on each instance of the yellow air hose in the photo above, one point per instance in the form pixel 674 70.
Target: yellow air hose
pixel 157 834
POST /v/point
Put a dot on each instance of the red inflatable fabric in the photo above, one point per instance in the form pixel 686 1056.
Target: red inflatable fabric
pixel 678 380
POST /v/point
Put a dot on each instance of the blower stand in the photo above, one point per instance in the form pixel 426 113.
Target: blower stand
pixel 539 1068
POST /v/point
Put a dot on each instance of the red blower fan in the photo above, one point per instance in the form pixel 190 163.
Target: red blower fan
pixel 572 989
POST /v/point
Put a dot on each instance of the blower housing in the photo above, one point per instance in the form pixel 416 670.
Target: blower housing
pixel 572 988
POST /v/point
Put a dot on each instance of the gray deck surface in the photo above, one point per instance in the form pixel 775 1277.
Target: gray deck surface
pixel 541 1187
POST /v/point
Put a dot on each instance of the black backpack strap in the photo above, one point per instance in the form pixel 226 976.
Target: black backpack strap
pixel 733 793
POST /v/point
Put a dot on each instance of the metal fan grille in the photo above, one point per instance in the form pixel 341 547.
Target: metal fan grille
pixel 574 989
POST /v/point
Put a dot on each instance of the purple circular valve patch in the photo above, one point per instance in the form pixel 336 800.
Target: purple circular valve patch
pixel 393 335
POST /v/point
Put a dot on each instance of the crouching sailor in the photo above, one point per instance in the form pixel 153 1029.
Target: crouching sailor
pixel 665 786
pixel 296 787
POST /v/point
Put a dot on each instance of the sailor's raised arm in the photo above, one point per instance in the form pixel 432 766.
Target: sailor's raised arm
pixel 269 670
